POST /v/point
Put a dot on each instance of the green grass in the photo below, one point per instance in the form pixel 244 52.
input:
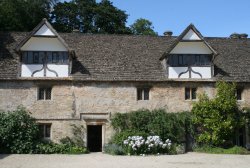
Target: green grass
pixel 217 150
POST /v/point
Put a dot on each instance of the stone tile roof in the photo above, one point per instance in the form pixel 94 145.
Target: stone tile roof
pixel 128 57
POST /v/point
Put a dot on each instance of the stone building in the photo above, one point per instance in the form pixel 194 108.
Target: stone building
pixel 83 79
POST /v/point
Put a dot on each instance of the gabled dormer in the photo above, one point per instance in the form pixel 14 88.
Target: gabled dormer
pixel 190 56
pixel 43 53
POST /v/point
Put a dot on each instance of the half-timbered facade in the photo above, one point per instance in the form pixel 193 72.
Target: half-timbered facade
pixel 83 79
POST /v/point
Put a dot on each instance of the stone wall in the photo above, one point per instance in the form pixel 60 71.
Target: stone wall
pixel 70 100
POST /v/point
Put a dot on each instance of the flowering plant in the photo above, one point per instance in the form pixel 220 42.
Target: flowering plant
pixel 150 145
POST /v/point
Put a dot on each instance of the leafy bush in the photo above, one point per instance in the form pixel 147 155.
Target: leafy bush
pixel 18 132
pixel 119 137
pixel 246 114
pixel 113 149
pixel 79 132
pixel 180 149
pixel 77 150
pixel 51 148
pixel 217 150
pixel 136 145
pixel 218 118
pixel 157 122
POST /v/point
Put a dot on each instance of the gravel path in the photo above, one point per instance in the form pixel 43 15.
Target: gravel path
pixel 96 160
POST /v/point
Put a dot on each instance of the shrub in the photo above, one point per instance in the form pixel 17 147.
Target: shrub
pixel 119 137
pixel 77 150
pixel 217 150
pixel 18 132
pixel 67 141
pixel 246 114
pixel 136 145
pixel 113 149
pixel 157 122
pixel 79 132
pixel 218 118
pixel 51 148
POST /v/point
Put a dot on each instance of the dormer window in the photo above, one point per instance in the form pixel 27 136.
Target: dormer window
pixel 55 57
pixel 41 57
pixel 190 56
pixel 179 60
pixel 44 53
pixel 36 57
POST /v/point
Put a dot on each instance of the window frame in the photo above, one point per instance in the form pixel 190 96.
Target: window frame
pixel 239 93
pixel 141 93
pixel 192 92
pixel 44 127
pixel 57 60
pixel 46 90
pixel 35 55
pixel 61 57
pixel 185 60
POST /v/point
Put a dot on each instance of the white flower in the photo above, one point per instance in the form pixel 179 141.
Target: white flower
pixel 164 146
pixel 125 142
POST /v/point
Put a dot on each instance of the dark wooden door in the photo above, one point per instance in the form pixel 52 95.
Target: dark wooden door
pixel 94 141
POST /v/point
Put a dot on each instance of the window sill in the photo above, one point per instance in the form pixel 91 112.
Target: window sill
pixel 191 100
pixel 45 100
pixel 46 139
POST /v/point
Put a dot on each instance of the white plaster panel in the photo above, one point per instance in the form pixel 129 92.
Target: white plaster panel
pixel 191 35
pixel 204 71
pixel 43 44
pixel 191 48
pixel 62 70
pixel 173 72
pixel 28 69
pixel 44 31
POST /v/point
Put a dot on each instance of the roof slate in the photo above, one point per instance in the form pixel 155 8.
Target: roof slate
pixel 128 57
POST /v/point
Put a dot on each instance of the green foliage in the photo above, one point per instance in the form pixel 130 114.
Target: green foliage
pixel 246 115
pixel 51 148
pixel 109 19
pixel 119 137
pixel 218 118
pixel 217 150
pixel 139 145
pixel 157 122
pixel 78 135
pixel 143 27
pixel 18 132
pixel 77 150
pixel 113 149
pixel 23 15
pixel 88 16
pixel 64 17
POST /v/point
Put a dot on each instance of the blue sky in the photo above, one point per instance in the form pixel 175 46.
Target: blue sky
pixel 211 17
